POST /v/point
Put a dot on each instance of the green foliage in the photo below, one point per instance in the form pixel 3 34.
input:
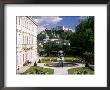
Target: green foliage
pixel 85 34
pixel 54 59
pixel 72 59
pixel 54 47
pixel 88 57
pixel 81 70
pixel 41 36
pixel 39 61
pixel 47 59
pixel 81 41
pixel 49 33
pixel 39 70
pixel 35 64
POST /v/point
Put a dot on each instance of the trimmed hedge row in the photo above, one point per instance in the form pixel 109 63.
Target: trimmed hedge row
pixel 54 59
pixel 80 70
pixel 38 70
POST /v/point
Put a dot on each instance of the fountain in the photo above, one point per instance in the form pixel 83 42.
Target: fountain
pixel 60 58
pixel 60 61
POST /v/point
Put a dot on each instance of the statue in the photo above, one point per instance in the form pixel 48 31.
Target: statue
pixel 60 58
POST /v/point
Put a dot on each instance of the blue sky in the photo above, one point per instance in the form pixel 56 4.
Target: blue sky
pixel 53 21
pixel 69 21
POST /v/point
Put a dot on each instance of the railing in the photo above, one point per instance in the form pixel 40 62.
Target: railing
pixel 27 47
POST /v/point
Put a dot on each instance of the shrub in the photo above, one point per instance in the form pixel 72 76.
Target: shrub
pixel 39 61
pixel 35 64
pixel 47 59
pixel 84 72
pixel 86 64
pixel 80 70
pixel 36 70
pixel 39 70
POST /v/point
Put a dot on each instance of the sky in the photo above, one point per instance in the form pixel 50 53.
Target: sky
pixel 53 21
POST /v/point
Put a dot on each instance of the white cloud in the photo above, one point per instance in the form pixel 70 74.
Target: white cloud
pixel 45 25
pixel 83 17
pixel 42 20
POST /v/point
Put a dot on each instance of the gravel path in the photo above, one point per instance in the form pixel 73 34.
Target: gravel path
pixel 61 71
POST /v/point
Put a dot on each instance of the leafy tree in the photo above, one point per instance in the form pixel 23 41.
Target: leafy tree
pixel 85 35
pixel 41 36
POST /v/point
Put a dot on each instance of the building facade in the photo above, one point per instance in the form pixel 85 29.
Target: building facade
pixel 59 27
pixel 26 40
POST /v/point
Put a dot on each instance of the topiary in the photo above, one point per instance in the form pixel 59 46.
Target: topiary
pixel 39 61
pixel 35 64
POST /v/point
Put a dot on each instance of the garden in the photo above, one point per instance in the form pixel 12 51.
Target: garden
pixel 54 59
pixel 78 48
pixel 81 70
pixel 39 70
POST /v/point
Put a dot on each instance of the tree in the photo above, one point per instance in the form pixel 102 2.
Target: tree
pixel 81 41
pixel 84 35
pixel 41 36
pixel 86 28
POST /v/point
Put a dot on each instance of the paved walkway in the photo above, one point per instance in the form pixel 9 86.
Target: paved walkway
pixel 57 70
pixel 60 70
pixel 24 68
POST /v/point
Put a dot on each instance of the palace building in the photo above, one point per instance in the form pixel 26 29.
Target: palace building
pixel 26 40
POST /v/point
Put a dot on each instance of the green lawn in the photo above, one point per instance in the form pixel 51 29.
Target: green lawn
pixel 54 59
pixel 72 59
pixel 47 59
pixel 38 70
pixel 81 70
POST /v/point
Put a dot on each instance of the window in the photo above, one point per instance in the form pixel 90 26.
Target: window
pixel 23 39
pixel 25 23
pixel 29 26
pixel 32 40
pixel 23 58
pixel 27 39
pixel 18 20
pixel 32 27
